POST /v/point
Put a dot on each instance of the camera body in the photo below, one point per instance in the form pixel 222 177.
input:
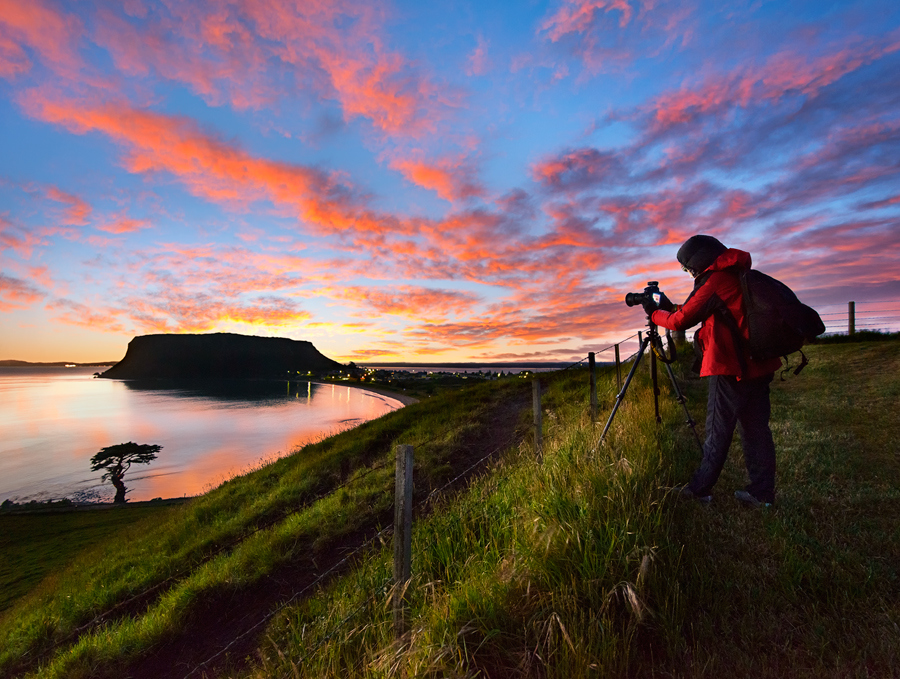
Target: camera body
pixel 650 294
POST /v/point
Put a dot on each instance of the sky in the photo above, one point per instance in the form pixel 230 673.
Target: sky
pixel 409 181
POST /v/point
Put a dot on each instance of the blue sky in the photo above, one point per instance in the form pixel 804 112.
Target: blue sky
pixel 399 181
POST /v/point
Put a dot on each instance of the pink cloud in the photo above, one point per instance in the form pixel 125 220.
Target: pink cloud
pixel 17 294
pixel 19 240
pixel 248 53
pixel 478 62
pixel 887 202
pixel 783 74
pixel 36 25
pixel 577 16
pixel 580 168
pixel 13 59
pixel 612 34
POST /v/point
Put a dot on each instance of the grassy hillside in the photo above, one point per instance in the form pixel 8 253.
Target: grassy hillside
pixel 583 565
pixel 37 545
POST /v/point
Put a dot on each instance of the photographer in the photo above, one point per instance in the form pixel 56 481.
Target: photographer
pixel 738 386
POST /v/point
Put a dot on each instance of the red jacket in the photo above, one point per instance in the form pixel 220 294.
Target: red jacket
pixel 717 291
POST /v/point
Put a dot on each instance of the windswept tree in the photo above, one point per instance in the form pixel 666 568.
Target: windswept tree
pixel 117 460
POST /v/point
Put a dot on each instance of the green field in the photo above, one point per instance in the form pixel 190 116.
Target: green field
pixel 582 565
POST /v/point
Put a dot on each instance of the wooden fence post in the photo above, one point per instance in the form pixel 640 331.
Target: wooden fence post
pixel 536 408
pixel 618 370
pixel 402 535
pixel 851 318
pixel 592 364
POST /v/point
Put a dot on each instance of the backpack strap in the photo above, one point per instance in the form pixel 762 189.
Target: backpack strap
pixel 803 362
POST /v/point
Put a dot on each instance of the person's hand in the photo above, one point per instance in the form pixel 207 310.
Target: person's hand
pixel 664 303
pixel 649 306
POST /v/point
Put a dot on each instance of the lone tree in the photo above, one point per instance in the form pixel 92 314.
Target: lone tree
pixel 117 460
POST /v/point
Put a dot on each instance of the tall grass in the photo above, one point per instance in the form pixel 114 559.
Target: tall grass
pixel 538 569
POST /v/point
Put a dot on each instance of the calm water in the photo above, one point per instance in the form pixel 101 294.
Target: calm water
pixel 53 420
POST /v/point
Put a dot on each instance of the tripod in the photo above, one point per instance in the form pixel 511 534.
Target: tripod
pixel 654 341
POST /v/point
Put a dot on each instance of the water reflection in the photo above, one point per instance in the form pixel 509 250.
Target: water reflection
pixel 51 423
pixel 248 392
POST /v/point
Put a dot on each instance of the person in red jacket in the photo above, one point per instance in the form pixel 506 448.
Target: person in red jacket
pixel 738 385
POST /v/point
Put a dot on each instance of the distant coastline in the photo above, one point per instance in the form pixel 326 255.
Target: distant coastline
pixel 55 364
pixel 481 365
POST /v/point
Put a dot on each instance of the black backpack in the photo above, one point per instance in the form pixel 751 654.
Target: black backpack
pixel 779 323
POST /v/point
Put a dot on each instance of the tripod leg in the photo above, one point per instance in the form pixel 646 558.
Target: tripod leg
pixel 681 399
pixel 654 380
pixel 621 395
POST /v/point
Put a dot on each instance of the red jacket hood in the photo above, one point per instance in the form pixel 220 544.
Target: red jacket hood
pixel 731 257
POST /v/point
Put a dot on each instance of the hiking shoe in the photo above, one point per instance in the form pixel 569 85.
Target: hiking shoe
pixel 749 500
pixel 686 493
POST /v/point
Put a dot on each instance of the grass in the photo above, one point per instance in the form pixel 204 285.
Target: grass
pixel 149 588
pixel 814 584
pixel 584 565
pixel 36 545
pixel 587 566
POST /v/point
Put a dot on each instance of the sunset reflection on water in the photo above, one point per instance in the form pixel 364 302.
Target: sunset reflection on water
pixel 53 420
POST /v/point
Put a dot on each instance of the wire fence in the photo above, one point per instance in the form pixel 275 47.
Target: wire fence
pixel 877 315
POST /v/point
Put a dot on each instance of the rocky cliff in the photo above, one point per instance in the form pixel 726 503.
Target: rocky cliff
pixel 218 355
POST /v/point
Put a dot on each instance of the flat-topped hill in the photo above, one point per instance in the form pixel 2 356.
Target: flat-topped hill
pixel 218 355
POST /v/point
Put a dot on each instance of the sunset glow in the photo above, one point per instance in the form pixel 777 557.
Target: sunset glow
pixel 418 182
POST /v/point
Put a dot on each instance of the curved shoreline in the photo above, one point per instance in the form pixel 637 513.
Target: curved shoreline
pixel 397 396
pixel 55 506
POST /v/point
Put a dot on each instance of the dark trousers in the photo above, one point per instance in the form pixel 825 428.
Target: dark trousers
pixel 745 403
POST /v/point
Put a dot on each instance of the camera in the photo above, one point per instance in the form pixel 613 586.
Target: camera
pixel 650 294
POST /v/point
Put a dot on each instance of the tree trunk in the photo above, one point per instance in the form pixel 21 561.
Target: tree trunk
pixel 120 488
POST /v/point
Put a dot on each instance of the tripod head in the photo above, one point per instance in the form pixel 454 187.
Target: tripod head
pixel 656 343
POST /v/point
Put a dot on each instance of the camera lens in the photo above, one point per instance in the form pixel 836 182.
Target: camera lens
pixel 634 298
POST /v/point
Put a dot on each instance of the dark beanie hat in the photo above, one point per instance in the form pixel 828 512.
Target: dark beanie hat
pixel 699 252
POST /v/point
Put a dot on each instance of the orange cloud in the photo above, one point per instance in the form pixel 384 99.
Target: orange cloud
pixel 17 294
pixel 409 301
pixel 450 178
pixel 74 313
pixel 122 225
pixel 77 212
pixel 211 168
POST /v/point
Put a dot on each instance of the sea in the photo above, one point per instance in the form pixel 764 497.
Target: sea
pixel 54 419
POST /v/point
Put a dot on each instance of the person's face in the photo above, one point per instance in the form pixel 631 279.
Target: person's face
pixel 689 272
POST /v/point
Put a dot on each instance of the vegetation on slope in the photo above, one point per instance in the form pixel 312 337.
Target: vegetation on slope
pixel 119 601
pixel 587 565
pixel 583 565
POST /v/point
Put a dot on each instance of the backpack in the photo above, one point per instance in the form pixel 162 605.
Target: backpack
pixel 779 323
